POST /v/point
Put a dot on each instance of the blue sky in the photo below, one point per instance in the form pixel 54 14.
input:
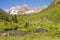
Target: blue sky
pixel 6 4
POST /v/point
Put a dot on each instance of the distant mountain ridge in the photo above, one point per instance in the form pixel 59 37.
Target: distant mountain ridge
pixel 24 9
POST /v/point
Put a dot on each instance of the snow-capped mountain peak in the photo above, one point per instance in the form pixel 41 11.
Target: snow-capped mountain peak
pixel 24 9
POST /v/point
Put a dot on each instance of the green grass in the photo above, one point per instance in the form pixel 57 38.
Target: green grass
pixel 49 19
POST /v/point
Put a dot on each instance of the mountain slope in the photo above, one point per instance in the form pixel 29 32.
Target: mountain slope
pixel 52 13
pixel 3 15
pixel 48 18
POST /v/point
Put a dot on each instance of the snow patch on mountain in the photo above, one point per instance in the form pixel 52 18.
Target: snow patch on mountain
pixel 24 9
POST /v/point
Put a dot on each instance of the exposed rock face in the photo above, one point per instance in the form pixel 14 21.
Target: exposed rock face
pixel 57 1
pixel 24 9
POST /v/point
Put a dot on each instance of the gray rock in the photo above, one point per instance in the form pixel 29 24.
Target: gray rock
pixel 39 27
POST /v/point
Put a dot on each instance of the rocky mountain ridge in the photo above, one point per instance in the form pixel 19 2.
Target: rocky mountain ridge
pixel 24 9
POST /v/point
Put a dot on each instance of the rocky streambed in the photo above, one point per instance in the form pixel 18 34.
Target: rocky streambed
pixel 20 32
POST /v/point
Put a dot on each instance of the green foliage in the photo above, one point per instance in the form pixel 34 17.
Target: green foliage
pixel 49 19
